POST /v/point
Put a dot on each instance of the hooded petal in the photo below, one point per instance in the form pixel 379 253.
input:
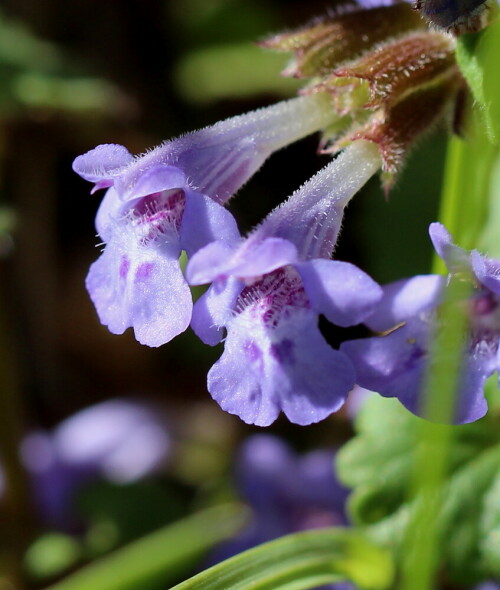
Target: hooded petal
pixel 139 287
pixel 255 260
pixel 102 164
pixel 339 290
pixel 154 179
pixel 209 263
pixel 205 221
pixel 252 259
pixel 487 271
pixel 456 258
pixel 289 368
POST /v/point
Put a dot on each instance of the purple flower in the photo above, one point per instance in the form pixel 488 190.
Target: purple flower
pixel 268 292
pixel 394 365
pixel 117 440
pixel 286 492
pixel 171 199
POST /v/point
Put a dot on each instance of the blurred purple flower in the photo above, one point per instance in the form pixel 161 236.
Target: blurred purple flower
pixel 287 493
pixel 171 199
pixel 268 292
pixel 117 440
pixel 394 365
pixel 491 585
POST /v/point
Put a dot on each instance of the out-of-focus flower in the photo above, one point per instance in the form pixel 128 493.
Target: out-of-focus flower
pixel 286 492
pixel 268 292
pixel 171 199
pixel 117 440
pixel 394 365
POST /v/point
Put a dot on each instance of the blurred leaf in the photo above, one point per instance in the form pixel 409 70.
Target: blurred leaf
pixel 490 528
pixel 35 73
pixel 231 71
pixel 376 465
pixel 468 508
pixel 51 554
pixel 119 513
pixel 159 557
pixel 489 240
pixel 209 22
pixel 301 560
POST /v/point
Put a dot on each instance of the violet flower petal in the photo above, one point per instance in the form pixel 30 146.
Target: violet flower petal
pixel 141 288
pixel 209 263
pixel 212 311
pixel 405 299
pixel 108 214
pixel 339 290
pixel 394 366
pixel 263 257
pixel 457 259
pixel 205 221
pixel 391 365
pixel 102 163
pixel 487 271
pixel 119 439
pixel 252 259
pixel 153 180
pixel 289 368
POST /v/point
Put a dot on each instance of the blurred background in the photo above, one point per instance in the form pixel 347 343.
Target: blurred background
pixel 104 440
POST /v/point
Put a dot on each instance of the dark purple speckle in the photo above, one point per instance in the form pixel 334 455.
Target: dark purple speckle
pixel 283 351
pixel 124 267
pixel 144 271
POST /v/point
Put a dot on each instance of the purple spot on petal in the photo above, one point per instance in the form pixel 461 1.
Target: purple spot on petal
pixel 144 271
pixel 283 351
pixel 417 353
pixel 484 304
pixel 124 267
pixel 254 396
pixel 254 355
pixel 252 351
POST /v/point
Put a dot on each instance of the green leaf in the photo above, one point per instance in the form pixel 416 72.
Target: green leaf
pixel 374 464
pixel 159 557
pixel 302 560
pixel 468 548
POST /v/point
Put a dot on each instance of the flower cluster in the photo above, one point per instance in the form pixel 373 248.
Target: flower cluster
pixel 395 364
pixel 118 440
pixel 379 78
